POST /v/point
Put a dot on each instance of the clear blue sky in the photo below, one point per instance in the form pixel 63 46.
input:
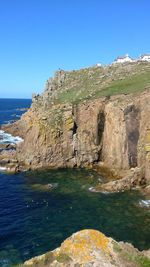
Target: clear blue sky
pixel 39 36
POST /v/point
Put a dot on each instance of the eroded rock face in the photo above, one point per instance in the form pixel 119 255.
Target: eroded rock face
pixel 113 130
pixel 92 248
pixel 61 136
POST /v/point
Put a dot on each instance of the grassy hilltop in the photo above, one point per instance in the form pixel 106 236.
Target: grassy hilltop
pixel 95 82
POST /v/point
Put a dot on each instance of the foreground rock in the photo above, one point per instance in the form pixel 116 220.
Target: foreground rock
pixel 89 248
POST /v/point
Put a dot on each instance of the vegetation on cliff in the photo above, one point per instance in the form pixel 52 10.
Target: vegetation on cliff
pixel 90 83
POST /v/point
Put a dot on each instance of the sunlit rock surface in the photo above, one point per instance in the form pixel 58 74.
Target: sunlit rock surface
pixel 92 248
pixel 89 116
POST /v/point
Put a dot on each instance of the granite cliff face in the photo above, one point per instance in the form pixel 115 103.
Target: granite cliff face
pixel 89 117
pixel 95 117
pixel 89 248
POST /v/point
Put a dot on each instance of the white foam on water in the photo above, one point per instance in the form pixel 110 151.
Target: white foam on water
pixel 106 193
pixel 92 189
pixel 6 138
pixel 9 122
pixel 145 203
pixel 3 168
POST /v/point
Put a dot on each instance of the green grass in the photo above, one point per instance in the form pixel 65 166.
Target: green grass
pixel 80 86
pixel 131 256
pixel 133 84
pixel 63 258
pixel 142 261
pixel 136 258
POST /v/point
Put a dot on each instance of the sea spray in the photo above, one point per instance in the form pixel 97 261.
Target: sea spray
pixel 6 138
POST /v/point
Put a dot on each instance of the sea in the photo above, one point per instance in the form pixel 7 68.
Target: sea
pixel 40 209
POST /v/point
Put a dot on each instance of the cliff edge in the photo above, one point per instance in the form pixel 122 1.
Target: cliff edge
pixel 97 116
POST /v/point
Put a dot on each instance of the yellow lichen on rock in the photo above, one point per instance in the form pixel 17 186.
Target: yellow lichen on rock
pixel 69 123
pixel 91 248
pixel 148 137
pixel 147 147
pixel 80 245
pixel 147 141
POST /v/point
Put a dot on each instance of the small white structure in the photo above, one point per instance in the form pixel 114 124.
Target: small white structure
pixel 98 65
pixel 145 57
pixel 124 59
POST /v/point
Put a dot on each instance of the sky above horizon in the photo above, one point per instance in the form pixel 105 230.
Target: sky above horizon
pixel 37 37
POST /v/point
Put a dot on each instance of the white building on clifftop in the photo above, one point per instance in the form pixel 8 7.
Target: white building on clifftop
pixel 145 57
pixel 124 59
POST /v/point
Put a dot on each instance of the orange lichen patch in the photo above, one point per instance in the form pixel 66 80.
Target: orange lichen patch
pixel 147 137
pixel 147 147
pixel 81 245
pixel 69 123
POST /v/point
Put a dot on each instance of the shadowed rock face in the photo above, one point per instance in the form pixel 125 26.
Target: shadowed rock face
pixel 132 132
pixel 100 127
pixel 91 248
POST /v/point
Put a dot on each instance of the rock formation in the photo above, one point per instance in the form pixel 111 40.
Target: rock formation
pixel 89 248
pixel 88 117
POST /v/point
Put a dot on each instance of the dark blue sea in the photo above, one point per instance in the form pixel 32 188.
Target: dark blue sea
pixel 12 109
pixel 35 219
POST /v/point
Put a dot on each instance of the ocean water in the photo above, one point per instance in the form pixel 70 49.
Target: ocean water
pixel 39 209
pixel 12 109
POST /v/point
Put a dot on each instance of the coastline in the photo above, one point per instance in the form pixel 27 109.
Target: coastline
pixel 109 134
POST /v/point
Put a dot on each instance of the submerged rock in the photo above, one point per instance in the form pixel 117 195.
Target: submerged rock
pixel 89 248
pixel 145 203
pixel 45 187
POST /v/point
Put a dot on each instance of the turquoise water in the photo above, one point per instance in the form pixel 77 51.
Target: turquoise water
pixel 35 218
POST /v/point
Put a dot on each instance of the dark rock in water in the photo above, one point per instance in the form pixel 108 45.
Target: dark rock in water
pixel 50 186
pixel 4 161
pixel 9 160
pixel 7 146
pixel 43 187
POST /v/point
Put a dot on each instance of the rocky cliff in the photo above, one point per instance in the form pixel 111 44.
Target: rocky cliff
pixel 85 117
pixel 89 248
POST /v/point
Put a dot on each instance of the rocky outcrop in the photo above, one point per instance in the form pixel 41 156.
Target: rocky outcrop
pixel 133 178
pixel 92 248
pixel 115 132
pixel 61 129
